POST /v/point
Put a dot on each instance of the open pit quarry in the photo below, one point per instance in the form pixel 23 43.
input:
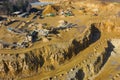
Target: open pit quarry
pixel 78 41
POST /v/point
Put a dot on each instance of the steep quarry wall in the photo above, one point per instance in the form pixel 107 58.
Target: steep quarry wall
pixel 94 65
pixel 111 68
pixel 97 55
pixel 90 66
pixel 49 57
pixel 20 65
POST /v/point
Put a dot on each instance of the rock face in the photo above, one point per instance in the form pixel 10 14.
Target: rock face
pixel 94 66
pixel 90 66
pixel 20 65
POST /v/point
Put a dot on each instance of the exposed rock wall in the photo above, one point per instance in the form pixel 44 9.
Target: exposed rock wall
pixel 26 64
pixel 90 66
pixel 21 65
pixel 93 65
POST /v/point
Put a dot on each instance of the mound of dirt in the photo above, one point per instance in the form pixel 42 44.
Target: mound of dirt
pixel 49 10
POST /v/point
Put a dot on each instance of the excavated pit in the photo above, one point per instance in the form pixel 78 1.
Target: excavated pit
pixel 21 65
pixel 84 55
pixel 43 59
